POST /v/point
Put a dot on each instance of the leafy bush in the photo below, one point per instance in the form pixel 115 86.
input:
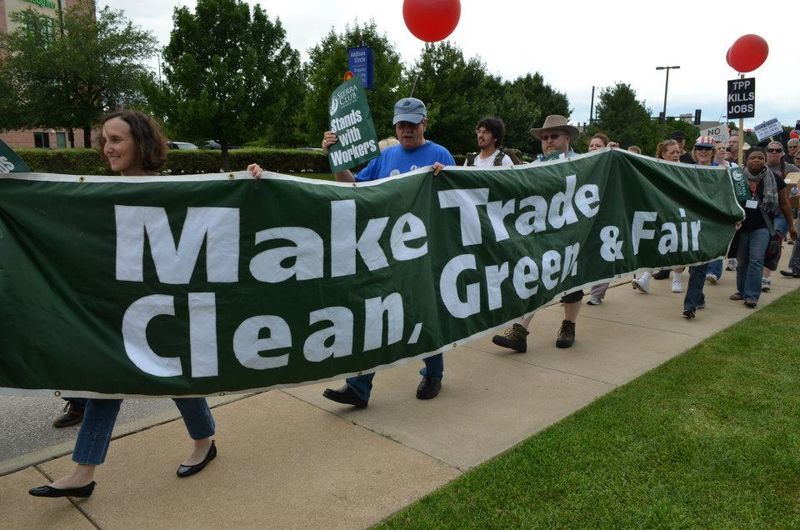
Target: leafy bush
pixel 89 161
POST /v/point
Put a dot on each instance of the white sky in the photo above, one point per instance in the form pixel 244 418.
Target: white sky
pixel 575 44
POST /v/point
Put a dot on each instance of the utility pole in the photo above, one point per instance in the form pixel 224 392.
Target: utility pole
pixel 666 88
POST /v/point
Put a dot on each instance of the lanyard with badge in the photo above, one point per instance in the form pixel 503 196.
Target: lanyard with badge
pixel 752 202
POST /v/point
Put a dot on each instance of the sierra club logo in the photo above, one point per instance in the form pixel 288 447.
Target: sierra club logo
pixel 343 99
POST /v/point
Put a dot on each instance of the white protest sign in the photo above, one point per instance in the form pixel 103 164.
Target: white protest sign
pixel 768 128
pixel 720 133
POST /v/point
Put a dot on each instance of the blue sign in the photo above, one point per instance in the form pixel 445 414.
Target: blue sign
pixel 361 62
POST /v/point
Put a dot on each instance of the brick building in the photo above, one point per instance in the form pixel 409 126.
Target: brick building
pixel 45 138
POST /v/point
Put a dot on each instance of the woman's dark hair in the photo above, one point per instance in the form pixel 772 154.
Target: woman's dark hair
pixel 146 133
pixel 754 149
pixel 494 126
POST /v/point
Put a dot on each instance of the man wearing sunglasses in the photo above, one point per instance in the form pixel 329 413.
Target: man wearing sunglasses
pixel 555 135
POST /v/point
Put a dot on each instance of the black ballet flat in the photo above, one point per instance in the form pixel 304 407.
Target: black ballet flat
pixel 188 471
pixel 49 491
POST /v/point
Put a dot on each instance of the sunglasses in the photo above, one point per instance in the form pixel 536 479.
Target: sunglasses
pixel 774 150
pixel 703 148
pixel 553 136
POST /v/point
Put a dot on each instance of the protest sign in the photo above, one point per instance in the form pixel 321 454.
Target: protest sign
pixel 720 133
pixel 351 120
pixel 742 98
pixel 768 128
pixel 200 285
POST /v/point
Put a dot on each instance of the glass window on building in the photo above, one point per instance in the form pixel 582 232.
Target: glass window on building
pixel 61 140
pixel 41 140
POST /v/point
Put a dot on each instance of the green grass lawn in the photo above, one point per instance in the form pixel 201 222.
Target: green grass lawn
pixel 710 439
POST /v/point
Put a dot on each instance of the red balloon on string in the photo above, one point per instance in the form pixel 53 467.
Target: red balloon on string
pixel 748 53
pixel 431 20
pixel 728 58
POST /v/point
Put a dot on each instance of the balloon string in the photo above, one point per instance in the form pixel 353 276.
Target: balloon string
pixel 416 77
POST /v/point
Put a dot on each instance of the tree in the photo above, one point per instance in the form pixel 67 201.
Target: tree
pixel 457 92
pixel 70 75
pixel 624 119
pixel 229 74
pixel 524 104
pixel 327 64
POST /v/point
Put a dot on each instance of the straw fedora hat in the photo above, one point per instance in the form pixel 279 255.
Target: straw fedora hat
pixel 554 122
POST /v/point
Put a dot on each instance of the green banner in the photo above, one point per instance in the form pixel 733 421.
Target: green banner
pixel 351 120
pixel 10 162
pixel 205 284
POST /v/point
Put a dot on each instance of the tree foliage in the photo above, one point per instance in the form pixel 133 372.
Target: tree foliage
pixel 230 76
pixel 524 104
pixel 456 91
pixel 627 121
pixel 328 63
pixel 70 75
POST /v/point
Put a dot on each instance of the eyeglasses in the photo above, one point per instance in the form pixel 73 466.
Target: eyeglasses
pixel 780 150
pixel 703 148
pixel 793 146
pixel 552 136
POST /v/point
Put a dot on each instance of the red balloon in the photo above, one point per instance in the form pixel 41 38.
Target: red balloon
pixel 748 53
pixel 728 58
pixel 794 134
pixel 431 20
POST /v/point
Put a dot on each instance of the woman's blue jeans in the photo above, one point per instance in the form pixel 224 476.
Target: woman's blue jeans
pixel 362 384
pixel 752 247
pixel 695 297
pixel 101 414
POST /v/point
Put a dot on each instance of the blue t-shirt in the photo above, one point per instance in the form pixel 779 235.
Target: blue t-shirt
pixel 395 160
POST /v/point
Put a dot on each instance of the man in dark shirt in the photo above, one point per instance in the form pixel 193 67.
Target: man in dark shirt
pixel 679 137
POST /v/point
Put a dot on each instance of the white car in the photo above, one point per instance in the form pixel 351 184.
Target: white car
pixel 183 146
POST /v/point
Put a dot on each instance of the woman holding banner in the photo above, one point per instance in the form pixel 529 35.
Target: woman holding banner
pixel 134 145
pixel 767 200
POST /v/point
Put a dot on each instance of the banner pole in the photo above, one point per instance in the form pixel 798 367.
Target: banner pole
pixel 740 154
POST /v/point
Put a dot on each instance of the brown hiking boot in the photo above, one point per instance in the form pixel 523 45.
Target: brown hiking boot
pixel 514 338
pixel 72 416
pixel 566 335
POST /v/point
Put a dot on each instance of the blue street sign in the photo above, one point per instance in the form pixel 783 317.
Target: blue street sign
pixel 361 62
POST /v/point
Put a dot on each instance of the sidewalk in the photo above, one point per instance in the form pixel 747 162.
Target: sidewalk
pixel 291 459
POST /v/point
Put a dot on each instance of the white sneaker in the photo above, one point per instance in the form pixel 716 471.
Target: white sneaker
pixel 732 264
pixel 677 284
pixel 766 284
pixel 712 279
pixel 643 283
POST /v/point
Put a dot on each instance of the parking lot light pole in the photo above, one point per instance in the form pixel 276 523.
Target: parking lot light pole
pixel 666 86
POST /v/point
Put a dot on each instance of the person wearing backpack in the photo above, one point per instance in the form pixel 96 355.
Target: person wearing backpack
pixel 490 133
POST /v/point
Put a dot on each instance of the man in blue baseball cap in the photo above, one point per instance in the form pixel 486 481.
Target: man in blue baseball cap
pixel 410 121
pixel 413 152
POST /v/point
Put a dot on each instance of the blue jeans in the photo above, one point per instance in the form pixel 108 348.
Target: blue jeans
pixel 101 414
pixel 794 261
pixel 694 291
pixel 715 268
pixel 362 384
pixel 78 403
pixel 781 224
pixel 752 247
